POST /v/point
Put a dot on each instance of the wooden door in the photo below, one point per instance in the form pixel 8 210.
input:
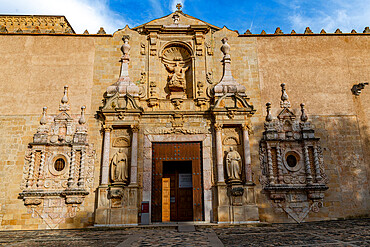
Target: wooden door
pixel 166 199
pixel 177 153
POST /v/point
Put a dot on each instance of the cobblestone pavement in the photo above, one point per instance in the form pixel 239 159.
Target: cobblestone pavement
pixel 329 233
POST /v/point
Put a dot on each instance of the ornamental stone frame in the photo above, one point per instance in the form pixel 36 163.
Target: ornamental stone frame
pixel 207 172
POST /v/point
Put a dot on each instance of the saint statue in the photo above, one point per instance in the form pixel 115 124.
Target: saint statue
pixel 176 78
pixel 233 165
pixel 119 167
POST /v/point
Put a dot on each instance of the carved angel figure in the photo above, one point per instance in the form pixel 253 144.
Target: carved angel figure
pixel 233 166
pixel 176 78
pixel 119 167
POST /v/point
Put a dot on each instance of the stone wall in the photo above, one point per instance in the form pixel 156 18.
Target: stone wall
pixel 318 70
pixel 34 69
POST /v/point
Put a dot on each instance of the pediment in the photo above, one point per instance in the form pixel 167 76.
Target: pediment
pixel 184 21
pixel 63 116
pixel 286 114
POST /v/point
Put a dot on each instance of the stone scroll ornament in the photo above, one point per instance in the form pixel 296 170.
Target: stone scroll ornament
pixel 233 166
pixel 292 162
pixel 119 168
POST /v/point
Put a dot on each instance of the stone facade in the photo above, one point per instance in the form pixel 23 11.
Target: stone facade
pixel 178 79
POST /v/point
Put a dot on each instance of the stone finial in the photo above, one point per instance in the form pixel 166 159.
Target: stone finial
pixel 43 118
pixel 227 84
pixel 101 31
pixel 82 119
pixel 86 32
pixel 64 106
pixel 338 31
pixel 178 7
pixel 125 48
pixel 307 31
pixel 304 116
pixel 366 30
pixel 322 31
pixel 65 96
pixel 225 48
pixel 284 103
pixel 278 31
pixel 248 32
pixel 293 32
pixel 124 85
pixel 268 109
pixel 353 31
pixel 263 32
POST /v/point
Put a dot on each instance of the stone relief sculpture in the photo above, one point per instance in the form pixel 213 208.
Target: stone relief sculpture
pixel 119 168
pixel 176 78
pixel 233 166
pixel 177 60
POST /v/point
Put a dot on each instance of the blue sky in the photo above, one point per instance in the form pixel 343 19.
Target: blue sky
pixel 236 15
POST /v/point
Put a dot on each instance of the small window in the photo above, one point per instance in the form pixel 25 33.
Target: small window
pixel 59 164
pixel 291 160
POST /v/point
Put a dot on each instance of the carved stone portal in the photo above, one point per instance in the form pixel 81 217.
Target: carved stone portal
pixel 59 167
pixel 177 61
pixel 291 162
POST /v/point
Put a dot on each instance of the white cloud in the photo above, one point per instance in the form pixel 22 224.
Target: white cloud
pixel 338 14
pixel 81 14
pixel 157 7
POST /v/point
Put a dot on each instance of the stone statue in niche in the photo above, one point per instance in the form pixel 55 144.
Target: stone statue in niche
pixel 233 166
pixel 177 61
pixel 119 168
pixel 176 78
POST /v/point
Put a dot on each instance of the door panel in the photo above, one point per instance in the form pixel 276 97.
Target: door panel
pixel 186 204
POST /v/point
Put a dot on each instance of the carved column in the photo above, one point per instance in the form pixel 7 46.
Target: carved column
pixel 134 146
pixel 279 164
pixel 317 164
pixel 41 169
pixel 72 169
pixel 247 155
pixel 307 165
pixel 81 176
pixel 105 159
pixel 31 171
pixel 220 165
pixel 270 168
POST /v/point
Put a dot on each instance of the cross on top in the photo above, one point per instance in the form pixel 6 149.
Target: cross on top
pixel 179 6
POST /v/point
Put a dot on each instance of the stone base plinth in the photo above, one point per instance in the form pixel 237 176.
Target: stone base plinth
pixel 236 204
pixel 117 206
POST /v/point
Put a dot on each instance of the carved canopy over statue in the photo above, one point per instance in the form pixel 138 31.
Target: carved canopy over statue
pixel 119 168
pixel 233 166
pixel 177 61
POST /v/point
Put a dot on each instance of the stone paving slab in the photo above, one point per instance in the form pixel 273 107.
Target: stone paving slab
pixel 328 233
pixel 323 234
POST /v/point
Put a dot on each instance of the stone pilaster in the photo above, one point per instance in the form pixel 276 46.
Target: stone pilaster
pixel 220 165
pixel 247 155
pixel 105 160
pixel 134 147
